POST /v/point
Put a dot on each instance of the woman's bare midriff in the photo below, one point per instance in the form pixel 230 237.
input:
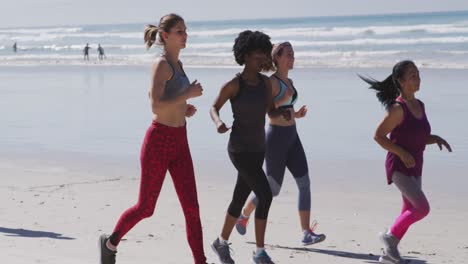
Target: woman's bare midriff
pixel 280 121
pixel 173 116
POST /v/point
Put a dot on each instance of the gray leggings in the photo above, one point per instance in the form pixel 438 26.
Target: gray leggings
pixel 284 149
pixel 415 205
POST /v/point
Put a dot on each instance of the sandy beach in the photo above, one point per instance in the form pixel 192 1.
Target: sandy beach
pixel 70 166
pixel 53 213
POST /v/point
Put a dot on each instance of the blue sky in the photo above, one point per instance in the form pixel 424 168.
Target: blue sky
pixel 19 13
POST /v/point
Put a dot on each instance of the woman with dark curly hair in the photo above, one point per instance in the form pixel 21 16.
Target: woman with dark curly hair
pixel 283 146
pixel 250 95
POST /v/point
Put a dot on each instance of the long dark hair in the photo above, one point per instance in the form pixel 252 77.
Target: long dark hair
pixel 389 89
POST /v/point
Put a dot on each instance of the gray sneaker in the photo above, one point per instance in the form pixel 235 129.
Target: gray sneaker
pixel 385 259
pixel 106 256
pixel 310 238
pixel 391 247
pixel 241 224
pixel 223 251
pixel 261 258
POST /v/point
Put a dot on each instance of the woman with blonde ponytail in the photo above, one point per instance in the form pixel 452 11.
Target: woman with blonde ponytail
pixel 165 146
pixel 410 132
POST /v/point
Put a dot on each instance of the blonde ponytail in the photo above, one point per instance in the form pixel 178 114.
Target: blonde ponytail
pixel 150 33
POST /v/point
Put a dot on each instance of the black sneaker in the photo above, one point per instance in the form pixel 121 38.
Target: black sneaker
pixel 106 256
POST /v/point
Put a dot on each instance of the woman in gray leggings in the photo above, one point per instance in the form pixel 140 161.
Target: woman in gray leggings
pixel 283 147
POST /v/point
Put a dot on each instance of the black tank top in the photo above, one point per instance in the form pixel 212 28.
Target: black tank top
pixel 249 109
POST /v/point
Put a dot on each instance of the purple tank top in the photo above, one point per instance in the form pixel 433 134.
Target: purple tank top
pixel 412 135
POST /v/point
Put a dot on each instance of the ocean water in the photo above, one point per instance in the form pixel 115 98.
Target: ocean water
pixel 434 40
pixel 103 112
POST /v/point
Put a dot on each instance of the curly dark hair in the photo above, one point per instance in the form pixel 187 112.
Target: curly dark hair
pixel 249 41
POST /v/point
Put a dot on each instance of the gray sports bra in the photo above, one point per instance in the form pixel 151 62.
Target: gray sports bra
pixel 177 84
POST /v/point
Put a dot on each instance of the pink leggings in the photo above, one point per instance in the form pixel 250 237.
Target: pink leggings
pixel 415 205
pixel 165 148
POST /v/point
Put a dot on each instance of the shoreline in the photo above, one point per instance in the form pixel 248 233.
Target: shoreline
pixel 146 64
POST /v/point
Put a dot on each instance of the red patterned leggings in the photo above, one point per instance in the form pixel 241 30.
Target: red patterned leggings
pixel 165 148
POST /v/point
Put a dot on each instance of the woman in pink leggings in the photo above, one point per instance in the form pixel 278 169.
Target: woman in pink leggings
pixel 165 147
pixel 410 132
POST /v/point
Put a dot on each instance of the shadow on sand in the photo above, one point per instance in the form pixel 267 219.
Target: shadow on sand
pixel 367 258
pixel 19 232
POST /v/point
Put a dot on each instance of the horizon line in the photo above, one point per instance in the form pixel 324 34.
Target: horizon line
pixel 253 19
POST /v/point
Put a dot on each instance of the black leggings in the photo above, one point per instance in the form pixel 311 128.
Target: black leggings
pixel 250 177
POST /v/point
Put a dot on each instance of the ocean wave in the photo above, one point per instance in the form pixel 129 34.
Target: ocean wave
pixel 351 42
pixel 336 59
pixel 215 32
pixel 317 41
pixel 388 41
pixel 208 54
pixel 38 35
pixel 377 46
pixel 38 31
pixel 459 28
pixel 453 52
pixel 361 53
pixel 53 37
pixel 76 47
pixel 196 53
pixel 123 35
pixel 366 31
pixel 210 45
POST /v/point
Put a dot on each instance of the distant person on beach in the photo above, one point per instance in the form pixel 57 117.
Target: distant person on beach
pixel 86 52
pixel 410 132
pixel 100 51
pixel 249 93
pixel 283 146
pixel 15 47
pixel 165 147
